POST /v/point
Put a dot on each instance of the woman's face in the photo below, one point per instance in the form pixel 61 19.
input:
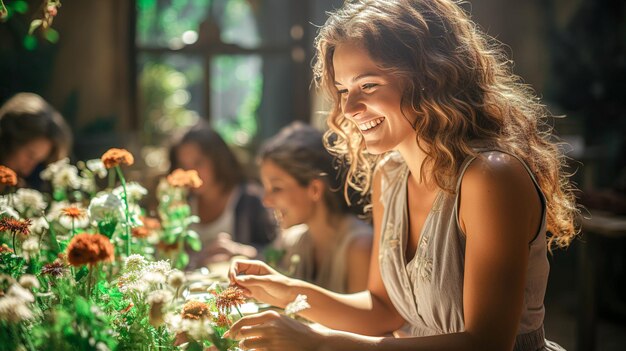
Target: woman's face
pixel 190 156
pixel 24 160
pixel 292 203
pixel 371 99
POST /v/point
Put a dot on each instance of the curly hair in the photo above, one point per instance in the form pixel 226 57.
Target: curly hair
pixel 459 84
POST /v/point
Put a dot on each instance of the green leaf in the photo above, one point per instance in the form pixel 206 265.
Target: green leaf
pixel 182 260
pixel 30 43
pixel 193 240
pixel 83 308
pixel 107 226
pixel 81 273
pixel 20 6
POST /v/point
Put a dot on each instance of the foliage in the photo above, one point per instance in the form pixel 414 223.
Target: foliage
pixel 64 286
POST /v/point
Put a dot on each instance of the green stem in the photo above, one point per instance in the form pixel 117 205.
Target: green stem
pixel 118 170
pixel 14 247
pixel 111 179
pixel 238 311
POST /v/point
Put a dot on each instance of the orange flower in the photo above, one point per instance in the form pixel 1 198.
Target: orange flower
pixel 7 176
pixel 14 226
pixel 151 223
pixel 141 232
pixel 89 249
pixel 195 310
pixel 181 178
pixel 73 212
pixel 115 157
pixel 229 298
pixel 222 320
pixel 5 248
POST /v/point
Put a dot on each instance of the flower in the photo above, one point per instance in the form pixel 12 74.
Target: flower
pixel 74 212
pixel 133 189
pixel 30 248
pixel 5 248
pixel 15 226
pixel 55 269
pixel 134 263
pixel 195 310
pixel 115 157
pixel 97 167
pixel 157 300
pixel 231 297
pixel 61 174
pixel 19 292
pixel 176 279
pixel 29 202
pixel 89 249
pixel 38 225
pixel 106 206
pixel 14 310
pixel 221 320
pixel 5 209
pixel 140 232
pixel 7 176
pixel 297 305
pixel 29 281
pixel 182 178
pixel 73 216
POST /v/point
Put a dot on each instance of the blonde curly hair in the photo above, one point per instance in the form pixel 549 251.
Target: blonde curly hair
pixel 460 86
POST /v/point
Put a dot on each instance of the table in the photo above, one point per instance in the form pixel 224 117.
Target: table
pixel 598 228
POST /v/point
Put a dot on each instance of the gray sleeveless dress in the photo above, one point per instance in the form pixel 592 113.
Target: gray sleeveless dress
pixel 428 290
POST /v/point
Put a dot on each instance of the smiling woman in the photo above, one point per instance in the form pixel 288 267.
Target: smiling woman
pixel 31 132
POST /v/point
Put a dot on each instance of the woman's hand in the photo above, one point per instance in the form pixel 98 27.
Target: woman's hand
pixel 260 281
pixel 270 331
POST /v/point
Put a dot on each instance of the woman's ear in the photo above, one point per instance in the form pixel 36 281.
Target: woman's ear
pixel 316 189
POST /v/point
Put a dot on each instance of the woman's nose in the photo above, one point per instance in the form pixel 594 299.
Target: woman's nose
pixel 353 105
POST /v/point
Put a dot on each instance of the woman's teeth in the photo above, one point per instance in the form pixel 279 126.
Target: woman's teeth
pixel 371 124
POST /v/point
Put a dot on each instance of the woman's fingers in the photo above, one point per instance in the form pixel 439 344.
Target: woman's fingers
pixel 249 321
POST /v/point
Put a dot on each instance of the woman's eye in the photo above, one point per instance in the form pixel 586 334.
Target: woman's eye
pixel 342 91
pixel 369 86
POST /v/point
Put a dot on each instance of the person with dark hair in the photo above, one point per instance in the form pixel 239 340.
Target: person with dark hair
pixel 468 191
pixel 233 220
pixel 31 133
pixel 325 244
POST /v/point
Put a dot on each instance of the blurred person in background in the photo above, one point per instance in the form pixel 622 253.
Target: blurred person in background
pixel 233 221
pixel 324 243
pixel 32 134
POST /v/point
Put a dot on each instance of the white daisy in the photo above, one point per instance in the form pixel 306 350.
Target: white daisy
pixel 29 202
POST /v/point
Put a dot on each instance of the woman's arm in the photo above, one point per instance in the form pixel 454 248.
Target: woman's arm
pixel 354 312
pixel 359 254
pixel 500 212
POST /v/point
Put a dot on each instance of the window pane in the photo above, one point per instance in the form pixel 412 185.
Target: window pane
pixel 236 88
pixel 171 94
pixel 176 23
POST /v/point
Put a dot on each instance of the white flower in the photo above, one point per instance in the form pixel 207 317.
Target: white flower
pixel 159 297
pixel 162 267
pixel 30 247
pixel 153 278
pixel 106 205
pixel 38 225
pixel 134 263
pixel 55 209
pixel 6 209
pixel 176 279
pixel 197 329
pixel 17 291
pixel 97 167
pixel 173 322
pixel 134 191
pixel 29 202
pixel 297 305
pixel 66 221
pixel 87 184
pixel 14 309
pixel 53 168
pixel 29 281
pixel 137 286
pixel 67 177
